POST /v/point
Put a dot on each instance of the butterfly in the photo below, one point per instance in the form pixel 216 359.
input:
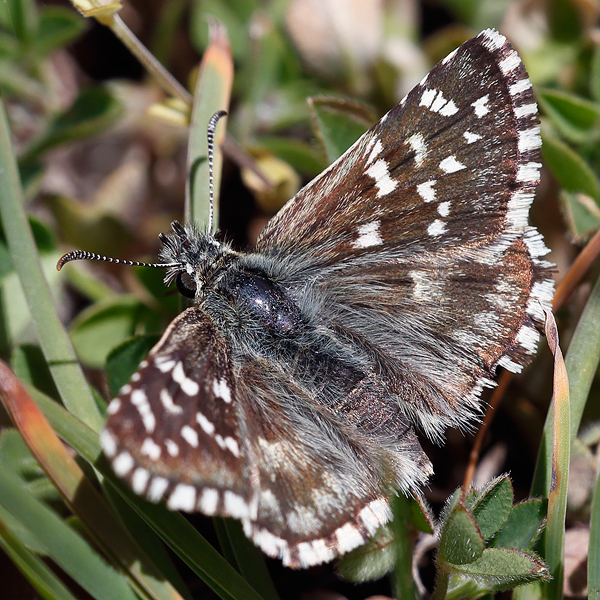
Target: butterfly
pixel 377 304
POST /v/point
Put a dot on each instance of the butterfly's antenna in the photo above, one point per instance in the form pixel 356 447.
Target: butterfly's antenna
pixel 210 138
pixel 83 255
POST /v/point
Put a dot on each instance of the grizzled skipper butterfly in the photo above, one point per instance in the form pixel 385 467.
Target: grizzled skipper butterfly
pixel 378 302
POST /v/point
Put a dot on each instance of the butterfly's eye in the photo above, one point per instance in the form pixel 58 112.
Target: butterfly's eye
pixel 186 285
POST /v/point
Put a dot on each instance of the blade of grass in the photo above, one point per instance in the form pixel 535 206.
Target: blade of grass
pixel 172 527
pixel 581 361
pixel 594 551
pixel 557 499
pixel 250 560
pixel 54 341
pixel 212 93
pixel 68 550
pixel 41 577
pixel 80 495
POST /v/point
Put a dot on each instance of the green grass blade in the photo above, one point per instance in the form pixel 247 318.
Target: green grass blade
pixel 66 548
pixel 41 577
pixel 557 498
pixel 212 93
pixel 594 548
pixel 54 341
pixel 582 359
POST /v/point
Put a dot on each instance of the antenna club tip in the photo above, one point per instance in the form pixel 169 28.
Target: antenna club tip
pixel 63 260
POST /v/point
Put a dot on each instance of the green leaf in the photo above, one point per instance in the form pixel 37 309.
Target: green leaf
pixel 582 214
pixel 338 123
pixel 422 515
pixel 372 560
pixel 23 19
pixel 104 325
pixel 504 568
pixel 493 505
pixel 93 111
pixel 461 541
pixel 571 171
pixel 123 360
pixel 522 526
pixel 58 27
pixel 577 119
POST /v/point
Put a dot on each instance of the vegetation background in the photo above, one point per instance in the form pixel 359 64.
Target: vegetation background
pixel 102 156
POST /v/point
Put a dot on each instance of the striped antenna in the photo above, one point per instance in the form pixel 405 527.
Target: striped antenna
pixel 210 138
pixel 83 255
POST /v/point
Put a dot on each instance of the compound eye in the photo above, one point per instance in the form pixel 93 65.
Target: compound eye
pixel 186 285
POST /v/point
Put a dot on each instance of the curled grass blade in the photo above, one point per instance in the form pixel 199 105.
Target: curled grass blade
pixel 581 361
pixel 54 341
pixel 561 451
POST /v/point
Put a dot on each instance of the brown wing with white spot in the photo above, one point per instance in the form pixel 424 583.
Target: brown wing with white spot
pixel 176 432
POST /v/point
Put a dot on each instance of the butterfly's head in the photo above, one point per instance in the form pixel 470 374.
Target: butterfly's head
pixel 192 258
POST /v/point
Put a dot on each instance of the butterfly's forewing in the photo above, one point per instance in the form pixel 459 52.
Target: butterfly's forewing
pixel 418 235
pixel 176 430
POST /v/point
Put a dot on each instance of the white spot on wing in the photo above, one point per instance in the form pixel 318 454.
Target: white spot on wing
pixel 235 505
pixel 108 443
pixel 434 100
pixel 189 435
pixel 122 464
pixel 150 449
pixel 206 425
pixel 183 497
pixel 530 139
pixel 426 190
pixel 164 364
pixel 492 40
pixel 510 63
pixel 451 165
pixel 444 208
pixel 368 235
pixel 418 146
pixel 377 149
pixel 189 386
pixel 208 501
pixel 221 390
pixel 380 173
pixel 480 106
pixel 529 172
pixel 519 87
pixel 157 489
pixel 167 402
pixel 525 110
pixel 140 401
pixel 471 137
pixel 139 480
pixel 436 228
pixel 348 537
pixel 172 447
